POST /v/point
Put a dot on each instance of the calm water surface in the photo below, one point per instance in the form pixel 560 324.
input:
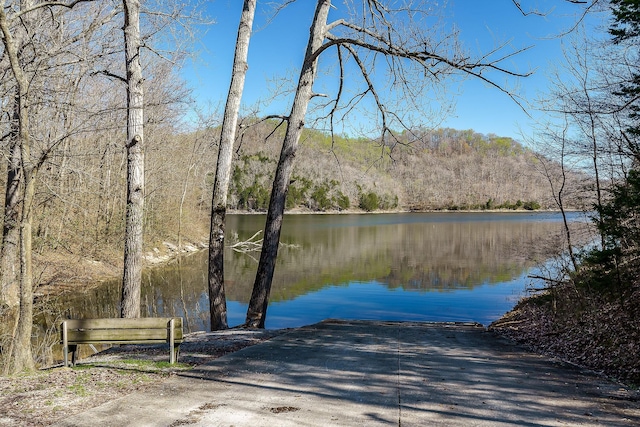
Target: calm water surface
pixel 413 266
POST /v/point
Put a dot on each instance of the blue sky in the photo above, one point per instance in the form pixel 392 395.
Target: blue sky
pixel 278 45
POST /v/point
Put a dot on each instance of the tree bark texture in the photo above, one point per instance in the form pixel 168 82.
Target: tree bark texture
pixel 217 299
pixel 132 276
pixel 23 358
pixel 9 283
pixel 257 311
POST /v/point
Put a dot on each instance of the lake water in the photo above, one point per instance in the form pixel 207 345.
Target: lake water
pixel 411 266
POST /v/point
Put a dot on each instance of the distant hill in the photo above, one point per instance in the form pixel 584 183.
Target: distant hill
pixel 422 170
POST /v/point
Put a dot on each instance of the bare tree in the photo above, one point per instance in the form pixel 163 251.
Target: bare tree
pixel 582 103
pixel 69 121
pixel 589 139
pixel 15 23
pixel 166 15
pixel 9 277
pixel 380 34
pixel 62 40
pixel 21 358
pixel 217 300
pixel 555 165
pixel 257 310
pixel 132 276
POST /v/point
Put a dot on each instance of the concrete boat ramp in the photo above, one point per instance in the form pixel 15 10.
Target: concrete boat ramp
pixel 361 373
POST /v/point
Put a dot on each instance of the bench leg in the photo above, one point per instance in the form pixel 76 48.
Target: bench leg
pixel 172 357
pixel 65 344
pixel 174 353
pixel 74 353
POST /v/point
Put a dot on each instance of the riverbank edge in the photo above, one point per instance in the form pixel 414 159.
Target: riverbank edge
pixel 585 332
pixel 59 274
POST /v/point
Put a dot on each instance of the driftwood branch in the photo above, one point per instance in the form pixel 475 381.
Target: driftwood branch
pixel 253 244
pixel 249 245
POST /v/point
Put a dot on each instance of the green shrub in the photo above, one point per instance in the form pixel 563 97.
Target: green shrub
pixel 320 197
pixel 342 201
pixel 490 204
pixel 369 202
pixel 388 202
pixel 254 197
pixel 297 193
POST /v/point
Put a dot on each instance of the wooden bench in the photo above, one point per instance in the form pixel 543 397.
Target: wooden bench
pixel 145 330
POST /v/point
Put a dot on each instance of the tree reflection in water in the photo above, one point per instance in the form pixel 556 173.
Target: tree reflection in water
pixel 435 266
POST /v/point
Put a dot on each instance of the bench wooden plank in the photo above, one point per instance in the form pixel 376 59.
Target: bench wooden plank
pixel 146 330
pixel 98 335
pixel 136 323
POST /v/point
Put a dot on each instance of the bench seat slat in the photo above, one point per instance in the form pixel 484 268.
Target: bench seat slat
pixel 143 322
pixel 100 335
pixel 124 342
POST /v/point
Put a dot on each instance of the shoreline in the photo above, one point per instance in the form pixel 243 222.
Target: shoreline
pixel 299 211
pixel 71 272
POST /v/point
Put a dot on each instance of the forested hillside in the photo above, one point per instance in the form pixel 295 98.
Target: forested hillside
pixel 423 170
pixel 81 202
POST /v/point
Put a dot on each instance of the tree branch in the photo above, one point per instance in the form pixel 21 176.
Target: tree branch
pixel 37 6
pixel 109 74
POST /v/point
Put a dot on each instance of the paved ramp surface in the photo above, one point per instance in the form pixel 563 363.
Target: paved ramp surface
pixel 360 373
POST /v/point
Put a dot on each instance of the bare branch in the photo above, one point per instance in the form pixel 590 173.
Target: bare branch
pixel 109 74
pixel 243 127
pixel 158 54
pixel 537 12
pixel 37 6
pixel 430 61
pixel 577 22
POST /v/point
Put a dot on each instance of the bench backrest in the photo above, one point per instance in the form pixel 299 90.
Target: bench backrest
pixel 140 330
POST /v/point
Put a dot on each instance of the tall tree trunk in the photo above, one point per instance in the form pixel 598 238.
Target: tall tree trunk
pixel 9 260
pixel 217 300
pixel 9 284
pixel 20 358
pixel 132 276
pixel 257 311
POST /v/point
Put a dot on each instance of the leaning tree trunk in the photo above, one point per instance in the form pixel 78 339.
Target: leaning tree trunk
pixel 217 300
pixel 132 276
pixel 257 311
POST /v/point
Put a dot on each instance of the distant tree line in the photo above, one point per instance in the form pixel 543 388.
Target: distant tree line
pixel 442 169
